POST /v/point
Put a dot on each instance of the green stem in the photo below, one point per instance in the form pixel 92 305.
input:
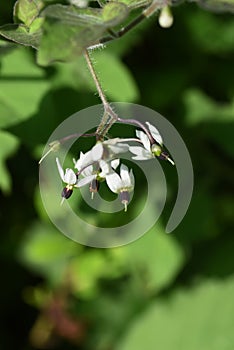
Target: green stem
pixel 109 116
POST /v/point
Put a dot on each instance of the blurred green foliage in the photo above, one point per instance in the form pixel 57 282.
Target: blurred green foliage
pixel 162 291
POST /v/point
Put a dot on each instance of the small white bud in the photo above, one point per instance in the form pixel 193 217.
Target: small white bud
pixel 165 19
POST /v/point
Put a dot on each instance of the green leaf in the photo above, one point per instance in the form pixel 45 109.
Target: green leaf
pixel 201 108
pixel 86 271
pixel 47 251
pixel 116 79
pixel 25 11
pixel 132 4
pixel 68 30
pixel 212 33
pixel 113 13
pixel 199 318
pixel 110 15
pixel 22 86
pixel 157 256
pixel 217 5
pixel 8 145
pixel 21 34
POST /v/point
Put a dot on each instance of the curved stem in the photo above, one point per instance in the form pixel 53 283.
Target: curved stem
pixel 138 123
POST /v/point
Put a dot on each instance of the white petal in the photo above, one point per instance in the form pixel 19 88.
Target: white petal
pixel 115 163
pixel 132 179
pixel 86 180
pixel 114 182
pixel 155 133
pixel 124 174
pixel 97 152
pixel 70 177
pixel 144 138
pixel 140 152
pixel 60 169
pixel 87 171
pixel 119 148
pixel 78 164
pixel 105 167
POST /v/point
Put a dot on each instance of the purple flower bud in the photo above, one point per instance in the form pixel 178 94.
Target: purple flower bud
pixel 67 192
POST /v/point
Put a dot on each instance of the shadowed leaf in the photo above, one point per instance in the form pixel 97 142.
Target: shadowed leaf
pixel 21 34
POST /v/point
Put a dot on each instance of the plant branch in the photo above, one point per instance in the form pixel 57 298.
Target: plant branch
pixel 109 116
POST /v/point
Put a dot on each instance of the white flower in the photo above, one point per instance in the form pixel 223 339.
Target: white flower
pixel 140 152
pixel 88 173
pixel 155 133
pixel 115 146
pixel 121 184
pixel 92 172
pixel 69 177
pixel 149 151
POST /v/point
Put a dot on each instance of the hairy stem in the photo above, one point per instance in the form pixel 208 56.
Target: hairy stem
pixel 109 116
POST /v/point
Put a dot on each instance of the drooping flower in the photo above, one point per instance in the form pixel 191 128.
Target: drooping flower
pixel 121 184
pixel 149 150
pixel 69 177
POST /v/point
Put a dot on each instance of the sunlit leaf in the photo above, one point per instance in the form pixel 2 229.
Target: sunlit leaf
pixel 22 85
pixel 47 251
pixel 194 318
pixel 113 13
pixel 156 256
pixel 86 272
pixel 8 145
pixel 25 11
pixel 201 108
pixel 68 30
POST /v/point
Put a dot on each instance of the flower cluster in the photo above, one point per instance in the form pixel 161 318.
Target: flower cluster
pixel 101 162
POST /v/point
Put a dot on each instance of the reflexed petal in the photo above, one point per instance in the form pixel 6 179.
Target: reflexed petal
pixel 87 171
pixel 115 163
pixel 141 153
pixel 86 180
pixel 155 133
pixel 132 179
pixel 105 167
pixel 78 164
pixel 87 159
pixel 124 174
pixel 119 148
pixel 114 182
pixel 60 169
pixel 70 177
pixel 97 152
pixel 144 138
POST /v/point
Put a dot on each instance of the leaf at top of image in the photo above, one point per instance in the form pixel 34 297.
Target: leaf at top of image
pixel 133 4
pixel 22 86
pixel 68 30
pixel 26 11
pixel 110 15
